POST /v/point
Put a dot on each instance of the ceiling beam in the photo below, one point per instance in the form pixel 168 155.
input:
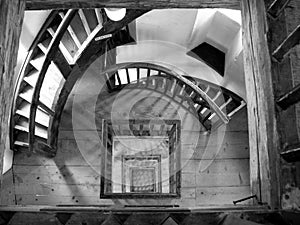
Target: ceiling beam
pixel 133 4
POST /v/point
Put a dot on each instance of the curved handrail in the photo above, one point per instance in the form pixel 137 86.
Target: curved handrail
pixel 21 75
pixel 193 86
pixel 50 54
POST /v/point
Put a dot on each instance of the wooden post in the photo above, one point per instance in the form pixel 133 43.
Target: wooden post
pixel 11 18
pixel 263 137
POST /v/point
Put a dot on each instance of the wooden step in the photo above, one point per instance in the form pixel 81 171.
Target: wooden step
pixel 21 144
pixel 84 22
pixel 41 117
pixel 38 62
pixel 27 95
pixel 62 47
pixel 71 32
pixel 43 48
pixel 40 132
pixel 91 18
pixel 32 78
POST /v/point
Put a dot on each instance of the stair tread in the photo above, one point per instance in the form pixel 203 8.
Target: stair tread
pixel 38 62
pixel 31 78
pixel 27 95
pixel 38 131
pixel 43 48
pixel 41 117
pixel 21 143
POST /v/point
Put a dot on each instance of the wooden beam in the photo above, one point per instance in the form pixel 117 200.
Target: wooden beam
pixel 11 19
pixel 291 153
pixel 131 4
pixel 263 140
pixel 290 98
pixel 277 7
pixel 284 48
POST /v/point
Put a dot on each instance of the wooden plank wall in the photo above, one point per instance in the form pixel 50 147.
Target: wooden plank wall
pixel 11 19
pixel 261 107
pixel 286 75
pixel 216 177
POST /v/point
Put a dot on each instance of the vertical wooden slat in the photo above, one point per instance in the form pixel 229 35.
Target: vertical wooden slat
pixel 84 22
pixel 263 138
pixel 11 19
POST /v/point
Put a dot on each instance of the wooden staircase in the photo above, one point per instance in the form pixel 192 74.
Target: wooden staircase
pixel 152 77
pixel 45 71
pixel 64 47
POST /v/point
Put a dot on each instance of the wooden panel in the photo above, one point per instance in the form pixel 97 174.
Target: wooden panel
pixel 7 191
pixel 221 195
pixel 141 4
pixel 226 179
pixel 260 99
pixel 57 175
pixel 23 199
pixel 68 154
pixel 218 165
pixel 57 189
pixel 11 19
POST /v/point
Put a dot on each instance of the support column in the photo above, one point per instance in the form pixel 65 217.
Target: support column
pixel 263 137
pixel 11 18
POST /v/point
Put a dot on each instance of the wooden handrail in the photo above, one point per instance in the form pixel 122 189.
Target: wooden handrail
pixel 193 86
pixel 52 49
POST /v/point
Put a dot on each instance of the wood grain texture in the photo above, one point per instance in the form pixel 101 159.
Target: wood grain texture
pixel 277 7
pixel 11 19
pixel 7 195
pixel 287 45
pixel 261 107
pixel 140 4
pixel 290 98
pixel 74 181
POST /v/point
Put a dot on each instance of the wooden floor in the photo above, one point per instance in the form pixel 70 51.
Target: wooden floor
pixel 215 167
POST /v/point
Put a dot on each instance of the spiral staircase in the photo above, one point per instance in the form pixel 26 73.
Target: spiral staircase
pixel 66 45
